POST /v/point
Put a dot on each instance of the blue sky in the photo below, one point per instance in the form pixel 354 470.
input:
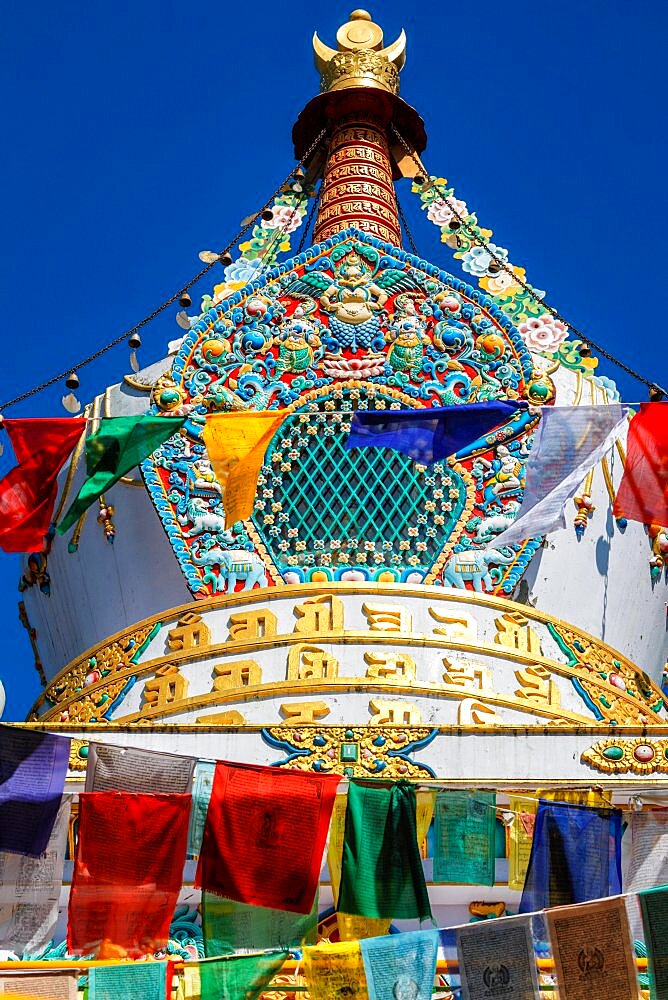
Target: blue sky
pixel 137 133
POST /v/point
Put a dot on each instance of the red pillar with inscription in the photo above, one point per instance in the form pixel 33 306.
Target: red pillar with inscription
pixel 357 188
pixel 358 132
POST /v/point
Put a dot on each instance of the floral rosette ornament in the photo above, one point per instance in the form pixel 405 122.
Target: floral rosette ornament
pixel 490 265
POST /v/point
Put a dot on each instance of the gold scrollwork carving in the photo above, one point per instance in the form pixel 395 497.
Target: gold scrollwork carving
pixel 355 751
pixel 108 660
pixel 637 756
pixel 78 755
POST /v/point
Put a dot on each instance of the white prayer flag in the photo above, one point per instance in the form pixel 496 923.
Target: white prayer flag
pixel 569 441
pixel 30 891
pixel 648 863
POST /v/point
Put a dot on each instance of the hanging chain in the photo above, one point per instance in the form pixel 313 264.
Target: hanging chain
pixel 503 266
pixel 168 302
pixel 404 223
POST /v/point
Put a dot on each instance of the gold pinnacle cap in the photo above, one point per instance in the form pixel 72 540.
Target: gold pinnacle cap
pixel 360 59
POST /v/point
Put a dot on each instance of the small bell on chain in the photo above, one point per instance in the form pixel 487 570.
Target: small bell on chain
pixel 184 299
pixel 656 395
pixel 226 259
pixel 493 267
pixel 134 343
pixel 70 401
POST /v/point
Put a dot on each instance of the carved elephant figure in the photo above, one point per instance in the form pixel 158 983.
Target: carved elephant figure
pixel 235 564
pixel 238 564
pixel 474 565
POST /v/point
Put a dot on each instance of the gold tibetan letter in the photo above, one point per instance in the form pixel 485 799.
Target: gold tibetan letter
pixel 304 712
pixel 467 674
pixel 476 713
pixel 394 713
pixel 536 685
pixel 457 628
pixel 516 633
pixel 252 625
pixel 387 618
pixel 393 668
pixel 241 673
pixel 167 687
pixel 311 663
pixel 190 631
pixel 319 614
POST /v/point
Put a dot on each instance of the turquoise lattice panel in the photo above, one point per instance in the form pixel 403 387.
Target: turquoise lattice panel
pixel 322 506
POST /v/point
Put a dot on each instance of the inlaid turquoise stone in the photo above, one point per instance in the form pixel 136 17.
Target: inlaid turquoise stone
pixel 613 753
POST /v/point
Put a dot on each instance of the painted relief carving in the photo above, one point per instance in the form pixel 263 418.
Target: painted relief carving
pixel 355 325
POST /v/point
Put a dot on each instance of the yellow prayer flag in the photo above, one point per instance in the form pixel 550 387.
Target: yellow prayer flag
pixel 520 838
pixel 236 443
pixel 424 814
pixel 595 798
pixel 335 846
pixel 355 928
pixel 190 986
pixel 335 970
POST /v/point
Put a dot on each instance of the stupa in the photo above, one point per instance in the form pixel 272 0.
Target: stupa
pixel 362 622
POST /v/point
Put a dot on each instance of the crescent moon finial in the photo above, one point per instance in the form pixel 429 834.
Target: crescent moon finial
pixel 396 52
pixel 323 54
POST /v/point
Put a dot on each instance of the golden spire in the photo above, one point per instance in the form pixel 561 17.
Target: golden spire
pixel 360 59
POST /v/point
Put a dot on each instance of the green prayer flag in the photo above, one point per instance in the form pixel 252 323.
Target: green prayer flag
pixel 239 977
pixel 229 926
pixel 130 980
pixel 381 871
pixel 464 837
pixel 654 910
pixel 119 444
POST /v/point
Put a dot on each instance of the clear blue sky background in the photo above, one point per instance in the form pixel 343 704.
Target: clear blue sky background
pixel 137 133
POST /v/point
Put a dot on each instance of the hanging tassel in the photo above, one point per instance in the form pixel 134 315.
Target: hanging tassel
pixel 105 519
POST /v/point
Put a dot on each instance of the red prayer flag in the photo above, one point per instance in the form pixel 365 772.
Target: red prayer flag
pixel 643 492
pixel 128 872
pixel 28 492
pixel 265 835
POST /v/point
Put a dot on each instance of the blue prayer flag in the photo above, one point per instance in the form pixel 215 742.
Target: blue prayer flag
pixel 575 856
pixel 33 767
pixel 400 965
pixel 429 435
